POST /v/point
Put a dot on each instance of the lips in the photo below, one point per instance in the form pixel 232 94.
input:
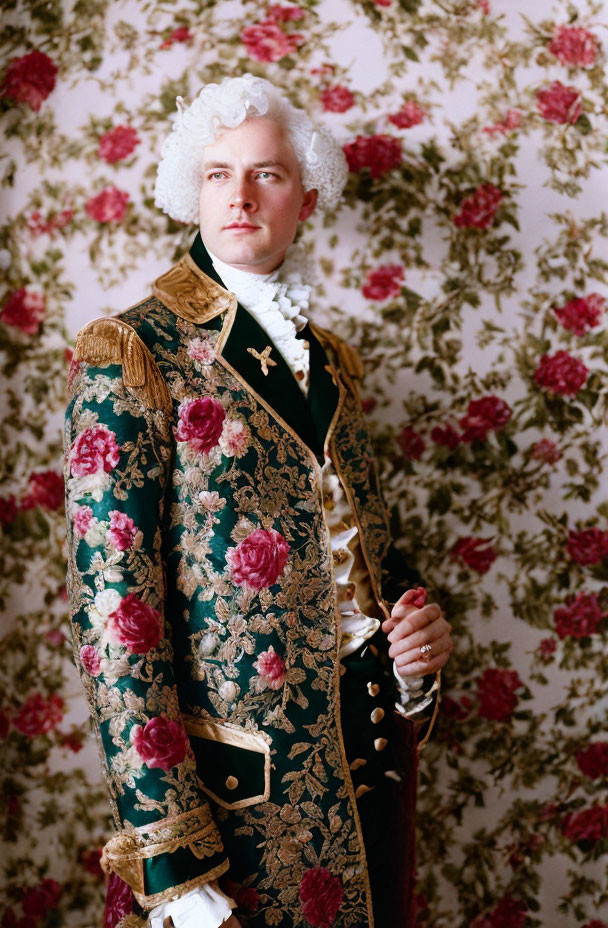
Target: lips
pixel 245 226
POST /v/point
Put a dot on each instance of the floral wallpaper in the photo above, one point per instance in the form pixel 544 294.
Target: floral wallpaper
pixel 468 264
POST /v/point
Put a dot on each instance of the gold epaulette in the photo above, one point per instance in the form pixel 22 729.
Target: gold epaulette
pixel 112 341
pixel 190 294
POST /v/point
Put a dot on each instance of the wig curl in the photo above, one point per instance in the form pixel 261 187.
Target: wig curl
pixel 225 106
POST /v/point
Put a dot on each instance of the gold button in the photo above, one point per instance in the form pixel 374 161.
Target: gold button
pixel 358 762
pixel 377 715
pixel 361 790
pixel 373 689
pixel 232 783
pixel 380 744
pixel 340 556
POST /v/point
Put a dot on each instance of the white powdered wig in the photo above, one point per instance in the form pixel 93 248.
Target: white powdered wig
pixel 226 105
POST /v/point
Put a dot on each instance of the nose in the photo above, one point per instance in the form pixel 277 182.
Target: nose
pixel 242 197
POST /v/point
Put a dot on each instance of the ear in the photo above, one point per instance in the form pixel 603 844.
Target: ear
pixel 308 205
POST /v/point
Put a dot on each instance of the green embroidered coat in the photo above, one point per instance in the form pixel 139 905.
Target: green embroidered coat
pixel 203 599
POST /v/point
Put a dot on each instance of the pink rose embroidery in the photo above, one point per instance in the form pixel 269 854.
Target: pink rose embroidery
pixel 82 519
pixel 336 99
pixel 560 104
pixel 29 79
pixel 162 743
pixel 581 314
pixel 135 625
pixel 271 668
pixel 117 144
pixel 383 282
pixel 561 373
pixel 202 350
pixel 24 310
pixel 478 210
pixel 321 896
pixel 234 440
pixel 409 115
pixel 94 450
pixel 90 659
pixel 200 423
pixel 265 41
pixel 574 46
pixel 122 531
pixel 380 153
pixel 259 560
pixel 110 205
pixel 119 901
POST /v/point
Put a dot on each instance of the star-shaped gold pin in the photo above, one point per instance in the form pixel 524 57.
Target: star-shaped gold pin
pixel 263 358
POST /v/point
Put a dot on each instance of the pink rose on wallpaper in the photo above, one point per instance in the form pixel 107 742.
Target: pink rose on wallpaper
pixel 81 519
pixel 508 913
pixel 589 546
pixel 200 423
pixel 497 693
pixel 380 153
pixel 119 901
pixel 445 435
pixel 24 310
pixel 8 509
pixel 593 760
pixel 546 451
pixel 411 442
pixel 39 899
pixel 321 896
pixel 271 668
pixel 409 115
pixel 45 489
pixel 560 104
pixel 582 313
pixel 259 560
pixel 511 122
pixel 589 825
pixel 478 210
pixel 368 404
pixel 93 451
pixel 162 743
pixel 488 414
pixel 37 715
pixel 383 2
pixel 595 923
pixel 580 617
pixel 110 205
pixel 574 46
pixel 117 144
pixel 561 373
pixel 29 79
pixel 135 625
pixel 285 14
pixel 484 6
pixel 476 553
pixel 546 649
pixel 336 99
pixel 91 860
pixel 39 226
pixel 90 658
pixel 383 282
pixel 122 531
pixel 265 41
pixel 180 34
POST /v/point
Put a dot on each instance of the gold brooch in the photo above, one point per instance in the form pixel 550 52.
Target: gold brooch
pixel 263 358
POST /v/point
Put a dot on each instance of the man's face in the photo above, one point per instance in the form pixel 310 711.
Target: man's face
pixel 251 197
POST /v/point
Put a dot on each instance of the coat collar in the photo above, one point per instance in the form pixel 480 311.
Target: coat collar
pixel 193 290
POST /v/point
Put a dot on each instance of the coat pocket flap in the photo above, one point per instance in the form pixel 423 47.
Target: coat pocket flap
pixel 232 765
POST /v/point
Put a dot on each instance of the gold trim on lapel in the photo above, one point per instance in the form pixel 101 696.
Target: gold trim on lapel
pixel 191 294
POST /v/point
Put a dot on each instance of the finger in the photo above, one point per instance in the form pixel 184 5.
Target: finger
pixel 425 635
pixel 416 620
pixel 409 655
pixel 416 667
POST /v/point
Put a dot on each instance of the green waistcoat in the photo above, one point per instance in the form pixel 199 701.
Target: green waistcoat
pixel 203 596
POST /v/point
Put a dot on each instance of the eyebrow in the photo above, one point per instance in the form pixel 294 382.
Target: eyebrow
pixel 215 165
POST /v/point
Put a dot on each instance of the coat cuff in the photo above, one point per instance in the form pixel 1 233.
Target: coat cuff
pixel 167 858
pixel 205 907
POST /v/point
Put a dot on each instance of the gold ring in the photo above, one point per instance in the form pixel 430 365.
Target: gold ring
pixel 425 653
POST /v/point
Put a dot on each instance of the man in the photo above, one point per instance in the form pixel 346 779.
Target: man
pixel 227 540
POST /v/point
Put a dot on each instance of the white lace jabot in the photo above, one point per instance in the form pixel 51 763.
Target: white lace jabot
pixel 278 301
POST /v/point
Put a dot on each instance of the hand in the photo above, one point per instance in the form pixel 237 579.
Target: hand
pixel 409 627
